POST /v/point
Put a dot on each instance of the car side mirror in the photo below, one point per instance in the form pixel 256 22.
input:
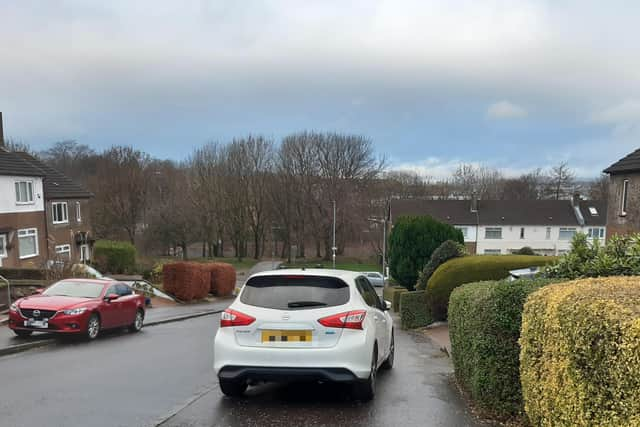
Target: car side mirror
pixel 387 305
pixel 111 297
pixel 38 291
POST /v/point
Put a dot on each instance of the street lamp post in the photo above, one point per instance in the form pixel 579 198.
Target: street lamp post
pixel 333 248
pixel 384 242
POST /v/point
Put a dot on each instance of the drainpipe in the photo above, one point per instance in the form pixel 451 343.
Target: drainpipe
pixel 8 288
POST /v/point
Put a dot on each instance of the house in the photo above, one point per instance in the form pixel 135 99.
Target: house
pixel 623 216
pixel 69 235
pixel 23 236
pixel 43 214
pixel 505 226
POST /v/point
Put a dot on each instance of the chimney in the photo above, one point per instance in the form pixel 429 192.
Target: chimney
pixel 1 132
pixel 575 200
pixel 575 204
pixel 474 202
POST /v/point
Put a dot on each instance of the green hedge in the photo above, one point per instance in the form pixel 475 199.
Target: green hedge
pixel 114 257
pixel 459 271
pixel 414 312
pixel 580 357
pixel 392 294
pixel 446 251
pixel 484 327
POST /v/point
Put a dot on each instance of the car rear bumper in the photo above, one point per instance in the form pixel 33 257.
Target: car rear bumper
pixel 257 373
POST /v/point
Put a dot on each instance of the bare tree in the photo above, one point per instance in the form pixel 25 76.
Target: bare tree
pixel 599 188
pixel 528 186
pixel 560 182
pixel 122 179
pixel 482 181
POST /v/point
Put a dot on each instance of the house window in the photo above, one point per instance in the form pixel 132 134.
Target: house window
pixel 28 243
pixel 60 212
pixel 24 192
pixel 625 197
pixel 3 245
pixel 465 231
pixel 493 233
pixel 63 251
pixel 596 233
pixel 567 233
pixel 78 215
pixel 522 232
pixel 492 252
pixel 548 235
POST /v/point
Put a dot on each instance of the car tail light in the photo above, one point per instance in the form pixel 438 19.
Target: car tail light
pixel 235 318
pixel 346 320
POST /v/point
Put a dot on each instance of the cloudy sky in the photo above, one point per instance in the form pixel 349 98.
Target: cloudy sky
pixel 510 84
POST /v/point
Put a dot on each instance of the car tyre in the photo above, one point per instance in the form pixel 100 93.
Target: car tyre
pixel 388 364
pixel 137 324
pixel 93 327
pixel 364 391
pixel 233 388
pixel 21 333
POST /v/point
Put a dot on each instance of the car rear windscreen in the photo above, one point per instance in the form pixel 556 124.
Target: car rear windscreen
pixel 295 292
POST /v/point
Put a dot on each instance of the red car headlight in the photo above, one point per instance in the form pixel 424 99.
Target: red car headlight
pixel 75 311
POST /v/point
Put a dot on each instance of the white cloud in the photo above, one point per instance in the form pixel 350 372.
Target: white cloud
pixel 505 110
pixel 623 113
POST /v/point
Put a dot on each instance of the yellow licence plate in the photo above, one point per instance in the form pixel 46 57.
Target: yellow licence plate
pixel 286 336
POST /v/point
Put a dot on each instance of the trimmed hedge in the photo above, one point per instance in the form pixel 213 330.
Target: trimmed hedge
pixel 580 358
pixel 411 243
pixel 484 327
pixel 446 251
pixel 414 312
pixel 392 294
pixel 459 271
pixel 110 256
pixel 222 280
pixel 187 281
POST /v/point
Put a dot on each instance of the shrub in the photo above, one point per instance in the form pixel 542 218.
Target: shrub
pixel 414 312
pixel 619 257
pixel 392 294
pixel 580 357
pixel 411 243
pixel 114 257
pixel 187 281
pixel 223 278
pixel 484 327
pixel 459 271
pixel 526 250
pixel 446 251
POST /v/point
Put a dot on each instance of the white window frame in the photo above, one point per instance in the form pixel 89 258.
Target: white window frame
pixel 625 197
pixel 599 231
pixel 493 252
pixel 492 229
pixel 464 229
pixel 29 185
pixel 3 246
pixel 78 214
pixel 575 231
pixel 28 232
pixel 65 212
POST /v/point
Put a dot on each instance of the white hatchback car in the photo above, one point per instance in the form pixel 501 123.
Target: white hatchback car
pixel 319 325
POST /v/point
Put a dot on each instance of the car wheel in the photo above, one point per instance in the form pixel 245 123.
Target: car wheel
pixel 21 333
pixel 137 324
pixel 93 327
pixel 366 390
pixel 388 364
pixel 233 388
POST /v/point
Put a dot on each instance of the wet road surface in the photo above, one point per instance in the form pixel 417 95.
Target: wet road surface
pixel 163 376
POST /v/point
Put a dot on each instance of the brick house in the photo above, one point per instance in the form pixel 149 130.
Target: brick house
pixel 624 195
pixel 69 235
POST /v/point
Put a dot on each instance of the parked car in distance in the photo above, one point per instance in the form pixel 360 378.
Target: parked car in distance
pixel 321 325
pixel 78 306
pixel 376 279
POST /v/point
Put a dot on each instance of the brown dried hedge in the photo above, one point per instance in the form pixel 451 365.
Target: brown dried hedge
pixel 187 281
pixel 223 278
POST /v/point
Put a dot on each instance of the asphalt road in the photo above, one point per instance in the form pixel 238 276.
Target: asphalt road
pixel 163 376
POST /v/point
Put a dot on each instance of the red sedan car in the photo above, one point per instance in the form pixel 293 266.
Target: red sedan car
pixel 78 306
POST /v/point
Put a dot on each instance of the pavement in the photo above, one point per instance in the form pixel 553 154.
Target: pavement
pixel 163 376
